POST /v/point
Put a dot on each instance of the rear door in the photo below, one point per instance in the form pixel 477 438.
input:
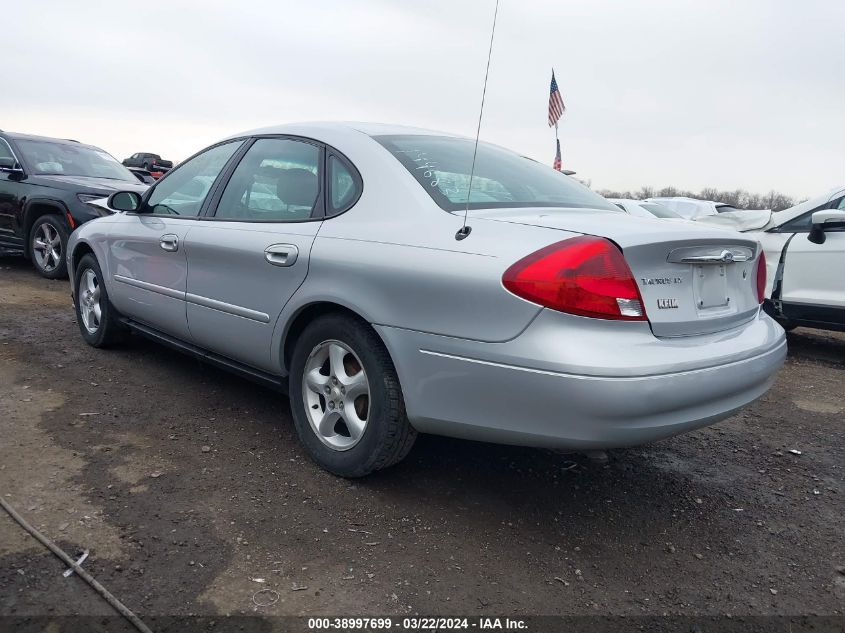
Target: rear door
pixel 813 285
pixel 248 257
pixel 146 256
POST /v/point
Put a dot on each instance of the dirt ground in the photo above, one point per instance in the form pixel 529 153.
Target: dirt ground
pixel 191 492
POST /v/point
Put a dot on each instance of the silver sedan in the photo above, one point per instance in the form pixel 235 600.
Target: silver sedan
pixel 354 266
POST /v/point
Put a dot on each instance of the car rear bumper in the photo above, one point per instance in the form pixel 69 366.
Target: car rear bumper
pixel 569 382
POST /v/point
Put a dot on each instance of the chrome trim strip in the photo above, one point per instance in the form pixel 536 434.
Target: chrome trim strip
pixel 145 285
pixel 228 308
pixel 710 254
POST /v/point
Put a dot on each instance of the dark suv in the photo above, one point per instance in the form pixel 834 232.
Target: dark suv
pixel 45 187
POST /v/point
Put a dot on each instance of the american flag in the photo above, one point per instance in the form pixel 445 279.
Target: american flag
pixel 557 164
pixel 556 107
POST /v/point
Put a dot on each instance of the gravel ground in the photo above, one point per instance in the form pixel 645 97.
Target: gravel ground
pixel 191 492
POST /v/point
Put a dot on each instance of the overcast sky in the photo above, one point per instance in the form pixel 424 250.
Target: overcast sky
pixel 730 94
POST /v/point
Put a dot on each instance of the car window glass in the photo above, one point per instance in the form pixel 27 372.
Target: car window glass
pixel 659 210
pixel 277 180
pixel 801 223
pixel 185 189
pixel 501 179
pixel 804 222
pixel 342 186
pixel 5 150
pixel 47 157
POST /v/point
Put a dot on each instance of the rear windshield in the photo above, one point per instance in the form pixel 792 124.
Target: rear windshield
pixel 502 179
pixel 66 159
pixel 659 210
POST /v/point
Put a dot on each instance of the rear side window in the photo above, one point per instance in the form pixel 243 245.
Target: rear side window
pixel 344 185
pixel 277 180
pixel 501 179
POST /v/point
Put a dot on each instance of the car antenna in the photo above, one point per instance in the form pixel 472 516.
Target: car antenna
pixel 465 230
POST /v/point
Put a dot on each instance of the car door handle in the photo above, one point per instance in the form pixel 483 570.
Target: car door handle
pixel 281 254
pixel 169 243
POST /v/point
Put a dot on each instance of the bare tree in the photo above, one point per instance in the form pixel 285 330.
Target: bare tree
pixel 738 198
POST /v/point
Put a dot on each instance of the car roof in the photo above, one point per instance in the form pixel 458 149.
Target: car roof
pixel 370 129
pixel 17 136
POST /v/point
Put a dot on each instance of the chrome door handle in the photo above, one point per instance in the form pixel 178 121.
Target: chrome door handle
pixel 281 254
pixel 169 243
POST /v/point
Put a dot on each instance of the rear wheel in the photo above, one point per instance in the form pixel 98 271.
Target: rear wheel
pixel 346 400
pixel 47 244
pixel 97 318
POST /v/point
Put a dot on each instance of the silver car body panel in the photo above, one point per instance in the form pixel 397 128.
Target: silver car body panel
pixel 148 281
pixel 473 359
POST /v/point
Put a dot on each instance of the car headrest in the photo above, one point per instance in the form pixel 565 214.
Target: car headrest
pixel 297 187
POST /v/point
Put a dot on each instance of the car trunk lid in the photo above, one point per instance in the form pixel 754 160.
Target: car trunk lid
pixel 693 279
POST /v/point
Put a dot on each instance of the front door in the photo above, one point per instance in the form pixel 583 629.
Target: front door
pixel 814 277
pixel 251 254
pixel 147 265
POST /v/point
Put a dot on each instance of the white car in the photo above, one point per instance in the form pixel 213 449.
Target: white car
pixel 805 255
pixel 645 209
pixel 692 208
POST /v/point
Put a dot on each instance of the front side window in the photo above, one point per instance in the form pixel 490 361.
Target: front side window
pixel 71 159
pixel 502 179
pixel 186 188
pixel 277 180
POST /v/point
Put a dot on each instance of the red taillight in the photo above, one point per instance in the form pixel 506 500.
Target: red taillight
pixel 583 275
pixel 761 277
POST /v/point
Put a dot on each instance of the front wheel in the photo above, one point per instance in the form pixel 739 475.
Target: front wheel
pixel 47 244
pixel 346 399
pixel 97 318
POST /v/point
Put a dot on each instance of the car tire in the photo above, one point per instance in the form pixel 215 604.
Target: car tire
pixel 338 431
pixel 97 318
pixel 47 245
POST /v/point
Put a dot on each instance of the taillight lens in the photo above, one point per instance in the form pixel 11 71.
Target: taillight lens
pixel 761 277
pixel 585 275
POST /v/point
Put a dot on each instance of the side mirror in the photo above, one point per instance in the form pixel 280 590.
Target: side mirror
pixel 9 164
pixel 822 220
pixel 125 201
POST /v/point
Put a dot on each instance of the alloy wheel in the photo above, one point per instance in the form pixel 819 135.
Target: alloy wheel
pixel 90 309
pixel 336 393
pixel 47 247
